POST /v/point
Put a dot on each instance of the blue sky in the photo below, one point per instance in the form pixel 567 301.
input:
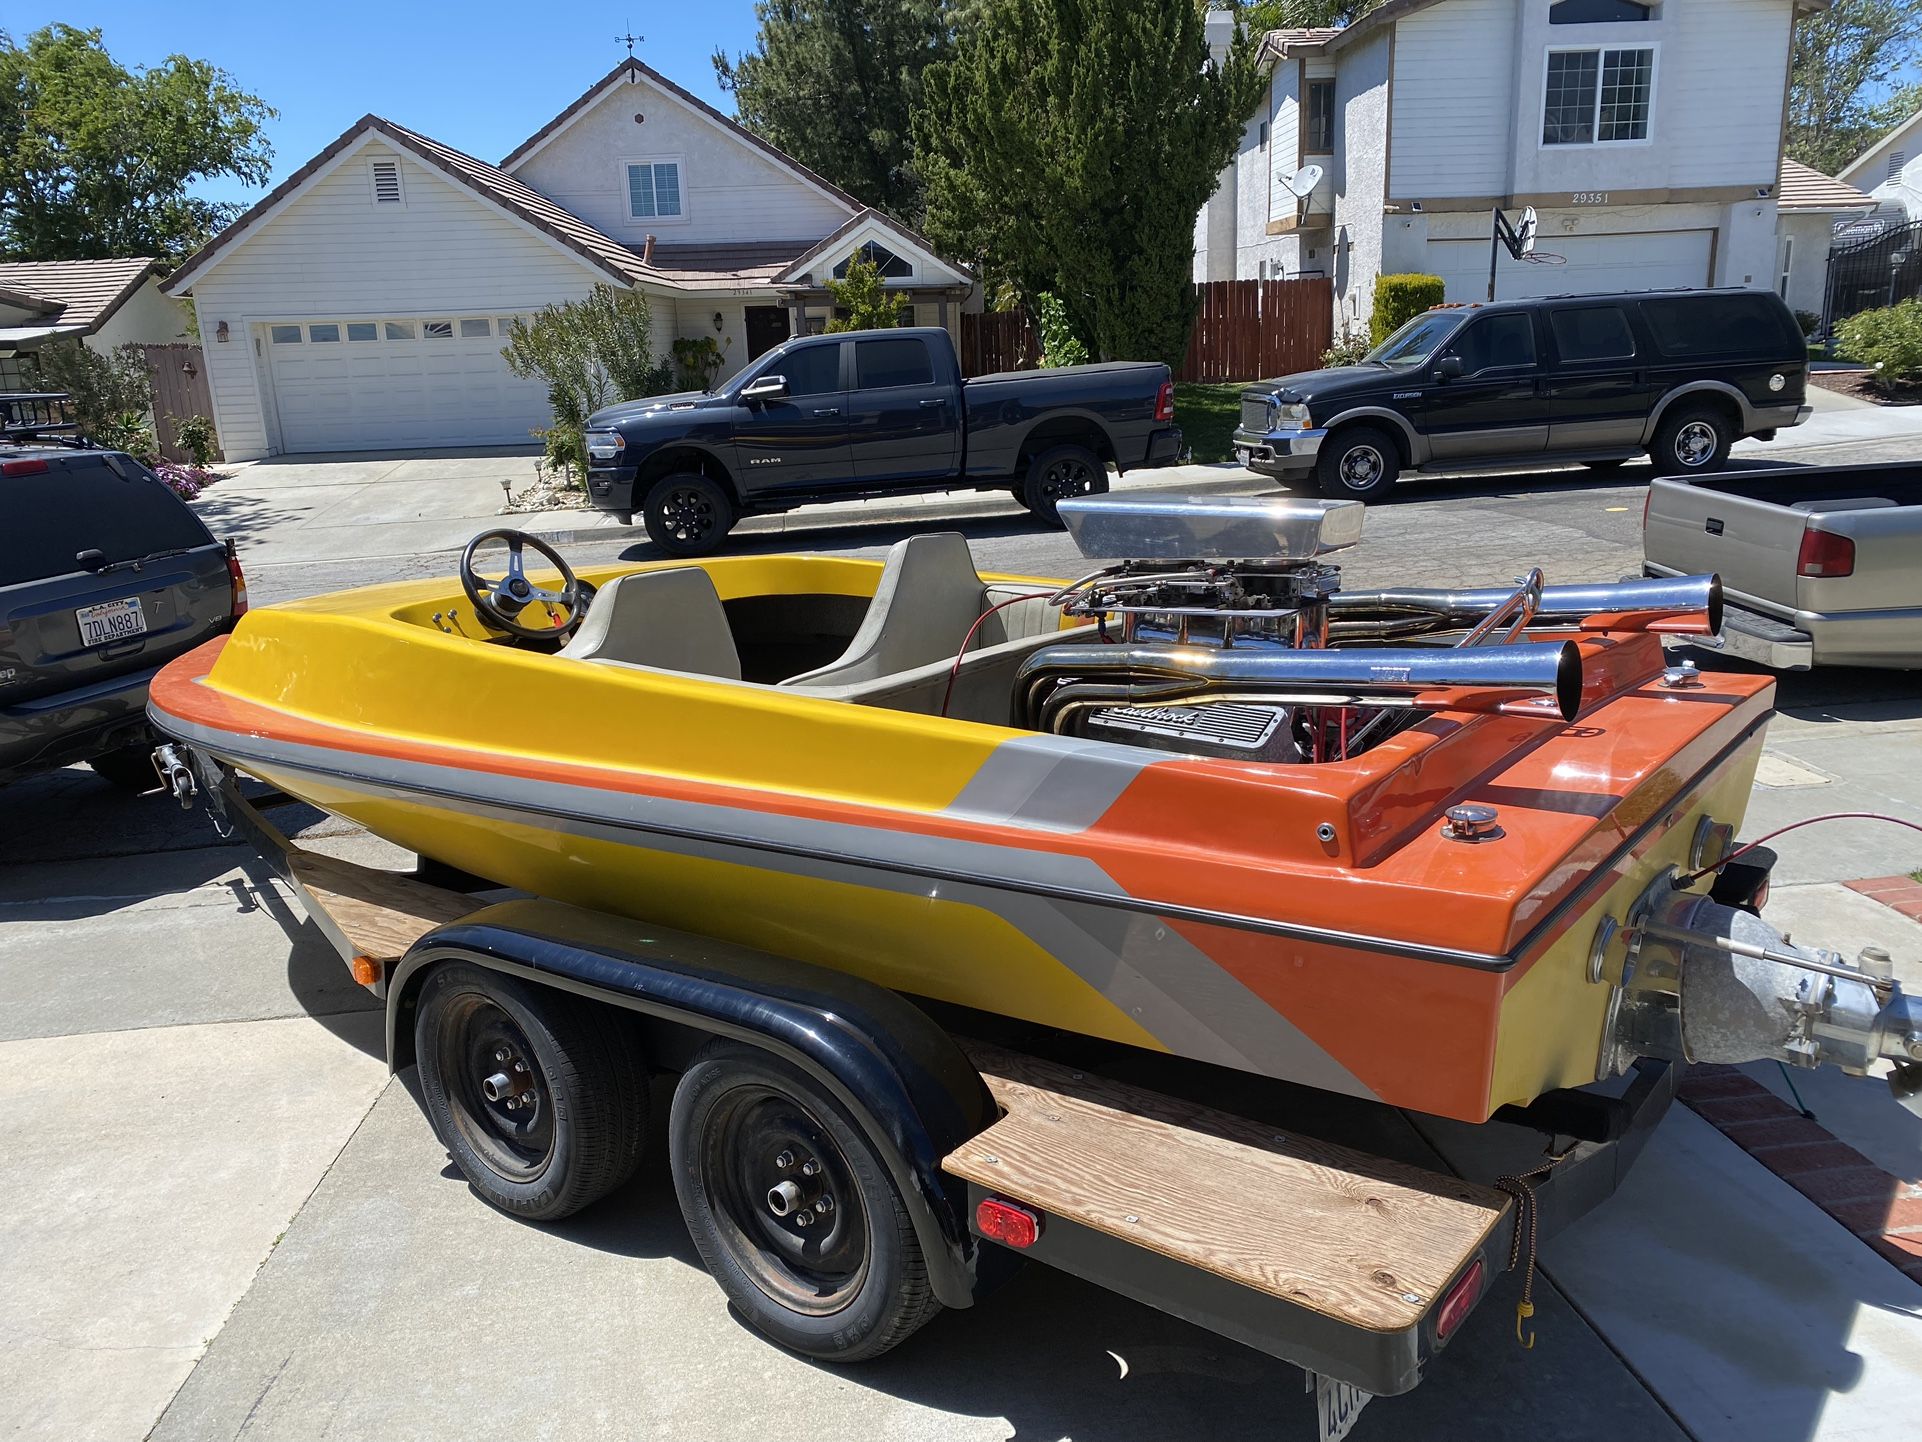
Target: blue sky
pixel 481 76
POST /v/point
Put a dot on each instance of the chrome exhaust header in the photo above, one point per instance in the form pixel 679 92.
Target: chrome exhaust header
pixel 1060 677
pixel 1681 605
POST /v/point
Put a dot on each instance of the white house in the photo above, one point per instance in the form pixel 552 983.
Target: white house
pixel 1891 171
pixel 1647 137
pixel 361 304
pixel 1810 205
pixel 106 303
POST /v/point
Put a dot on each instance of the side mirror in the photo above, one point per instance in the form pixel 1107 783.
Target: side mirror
pixel 765 388
pixel 1448 368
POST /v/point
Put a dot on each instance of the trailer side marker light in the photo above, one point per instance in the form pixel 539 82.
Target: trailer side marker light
pixel 367 970
pixel 1006 1223
pixel 1460 1301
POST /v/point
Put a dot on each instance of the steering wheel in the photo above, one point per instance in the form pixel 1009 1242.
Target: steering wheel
pixel 501 603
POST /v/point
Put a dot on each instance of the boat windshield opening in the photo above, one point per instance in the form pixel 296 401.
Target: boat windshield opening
pixel 1417 340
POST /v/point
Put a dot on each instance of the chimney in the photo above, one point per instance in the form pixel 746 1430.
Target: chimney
pixel 647 251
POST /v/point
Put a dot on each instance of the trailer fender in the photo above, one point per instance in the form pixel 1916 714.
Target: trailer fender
pixel 901 1076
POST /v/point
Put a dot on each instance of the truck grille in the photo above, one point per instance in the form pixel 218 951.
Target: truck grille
pixel 1254 414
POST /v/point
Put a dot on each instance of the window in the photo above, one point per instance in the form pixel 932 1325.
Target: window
pixel 1782 280
pixel 810 370
pixel 472 327
pixel 400 330
pixel 320 333
pixel 654 189
pixel 1495 342
pixel 1264 135
pixel 885 364
pixel 284 334
pixel 386 181
pixel 506 324
pixel 1597 96
pixel 91 507
pixel 1722 325
pixel 362 330
pixel 891 266
pixel 1416 341
pixel 1592 333
pixel 1597 12
pixel 437 330
pixel 1321 118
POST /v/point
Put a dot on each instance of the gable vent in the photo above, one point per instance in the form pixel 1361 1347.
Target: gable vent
pixel 386 182
pixel 1896 161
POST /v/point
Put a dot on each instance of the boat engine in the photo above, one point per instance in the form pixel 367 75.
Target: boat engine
pixel 1229 634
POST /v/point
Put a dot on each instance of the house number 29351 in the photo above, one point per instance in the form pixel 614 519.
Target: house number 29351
pixel 1589 197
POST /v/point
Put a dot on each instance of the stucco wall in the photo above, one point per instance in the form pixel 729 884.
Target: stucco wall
pixel 146 317
pixel 730 191
pixel 1808 259
pixel 1359 175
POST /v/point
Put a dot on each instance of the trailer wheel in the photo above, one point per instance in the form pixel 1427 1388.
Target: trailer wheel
pixel 540 1097
pixel 792 1208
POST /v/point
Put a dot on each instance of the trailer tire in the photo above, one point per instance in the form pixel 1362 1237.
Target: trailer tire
pixel 847 1285
pixel 578 1138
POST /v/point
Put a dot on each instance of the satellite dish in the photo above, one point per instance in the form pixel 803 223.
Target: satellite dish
pixel 1303 181
pixel 1525 232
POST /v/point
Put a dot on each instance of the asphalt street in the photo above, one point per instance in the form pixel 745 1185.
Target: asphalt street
pixel 225 1220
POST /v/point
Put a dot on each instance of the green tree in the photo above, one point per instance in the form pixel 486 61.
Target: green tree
pixel 834 82
pixel 1266 15
pixel 1844 75
pixel 1067 147
pixel 95 159
pixel 590 353
pixel 109 394
pixel 870 305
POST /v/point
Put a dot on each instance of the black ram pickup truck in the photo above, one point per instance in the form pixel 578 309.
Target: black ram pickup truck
pixel 1595 379
pixel 872 413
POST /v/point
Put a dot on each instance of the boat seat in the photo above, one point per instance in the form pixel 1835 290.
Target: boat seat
pixel 665 620
pixel 928 598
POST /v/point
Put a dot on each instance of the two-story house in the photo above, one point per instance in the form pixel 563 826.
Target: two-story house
pixel 1890 170
pixel 1646 136
pixel 362 304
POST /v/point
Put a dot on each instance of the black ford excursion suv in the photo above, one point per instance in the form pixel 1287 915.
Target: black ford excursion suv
pixel 1598 379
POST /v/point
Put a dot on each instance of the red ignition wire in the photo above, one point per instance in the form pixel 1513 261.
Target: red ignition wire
pixel 1747 847
pixel 954 671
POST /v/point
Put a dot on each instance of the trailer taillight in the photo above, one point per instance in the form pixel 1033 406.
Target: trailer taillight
pixel 1165 402
pixel 235 575
pixel 1460 1301
pixel 1006 1223
pixel 1824 553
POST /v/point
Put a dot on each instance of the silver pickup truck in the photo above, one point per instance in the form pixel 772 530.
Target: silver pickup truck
pixel 1820 565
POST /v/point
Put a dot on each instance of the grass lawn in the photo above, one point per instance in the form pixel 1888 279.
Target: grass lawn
pixel 1207 414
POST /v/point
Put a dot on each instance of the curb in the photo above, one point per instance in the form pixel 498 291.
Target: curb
pixel 1878 1207
pixel 1902 894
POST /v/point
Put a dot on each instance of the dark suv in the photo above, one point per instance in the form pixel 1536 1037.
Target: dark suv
pixel 1680 375
pixel 105 575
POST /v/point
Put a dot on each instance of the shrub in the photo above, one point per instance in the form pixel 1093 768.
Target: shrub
pixel 1888 341
pixel 697 360
pixel 865 296
pixel 1810 321
pixel 591 353
pixel 110 394
pixel 1058 344
pixel 197 438
pixel 1349 347
pixel 1399 299
pixel 185 482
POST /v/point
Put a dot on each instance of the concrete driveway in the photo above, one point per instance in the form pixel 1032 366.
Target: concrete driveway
pixel 225 1219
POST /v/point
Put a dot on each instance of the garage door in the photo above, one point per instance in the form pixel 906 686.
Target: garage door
pixel 357 385
pixel 1649 261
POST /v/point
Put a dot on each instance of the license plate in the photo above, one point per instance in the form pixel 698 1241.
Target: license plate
pixel 110 621
pixel 1337 1405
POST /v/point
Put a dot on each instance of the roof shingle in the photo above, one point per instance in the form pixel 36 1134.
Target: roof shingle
pixel 1803 188
pixel 84 292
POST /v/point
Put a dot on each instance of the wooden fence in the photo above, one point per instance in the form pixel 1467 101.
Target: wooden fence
pixel 1244 330
pixel 179 389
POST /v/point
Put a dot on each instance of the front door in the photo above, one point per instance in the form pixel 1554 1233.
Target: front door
pixel 1492 408
pixel 1597 388
pixel 767 327
pixel 902 421
pixel 798 440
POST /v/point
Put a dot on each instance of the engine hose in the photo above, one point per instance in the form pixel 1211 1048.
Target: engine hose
pixel 1746 847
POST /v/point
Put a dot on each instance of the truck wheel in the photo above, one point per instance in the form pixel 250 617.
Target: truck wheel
pixel 128 767
pixel 687 514
pixel 1361 464
pixel 540 1097
pixel 1059 474
pixel 792 1209
pixel 1691 438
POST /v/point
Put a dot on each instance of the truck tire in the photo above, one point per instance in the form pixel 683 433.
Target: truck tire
pixel 687 514
pixel 574 1132
pixel 1691 439
pixel 1061 473
pixel 755 1147
pixel 128 767
pixel 1358 463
